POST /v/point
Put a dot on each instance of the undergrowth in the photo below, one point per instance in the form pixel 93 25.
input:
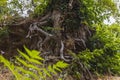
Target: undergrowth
pixel 103 55
pixel 30 66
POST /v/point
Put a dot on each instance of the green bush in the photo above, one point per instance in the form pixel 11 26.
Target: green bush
pixel 106 40
pixel 103 57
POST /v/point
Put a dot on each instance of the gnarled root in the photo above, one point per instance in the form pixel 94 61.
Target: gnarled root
pixel 62 53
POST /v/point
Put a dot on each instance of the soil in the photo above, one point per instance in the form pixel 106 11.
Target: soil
pixel 5 74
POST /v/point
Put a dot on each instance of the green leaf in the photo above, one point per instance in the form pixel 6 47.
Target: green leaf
pixel 29 59
pixel 51 69
pixel 36 56
pixel 27 65
pixel 33 54
pixel 27 72
pixel 61 64
pixel 46 72
pixel 56 68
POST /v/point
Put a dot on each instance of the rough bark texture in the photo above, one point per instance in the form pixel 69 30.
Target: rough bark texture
pixel 67 32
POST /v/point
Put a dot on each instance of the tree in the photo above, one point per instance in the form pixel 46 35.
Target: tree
pixel 56 26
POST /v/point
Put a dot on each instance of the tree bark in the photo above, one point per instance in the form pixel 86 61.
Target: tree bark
pixel 67 32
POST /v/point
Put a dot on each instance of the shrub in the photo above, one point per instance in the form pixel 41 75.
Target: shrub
pixel 103 55
pixel 29 66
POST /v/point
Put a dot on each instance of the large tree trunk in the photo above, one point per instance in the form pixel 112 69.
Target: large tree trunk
pixel 65 32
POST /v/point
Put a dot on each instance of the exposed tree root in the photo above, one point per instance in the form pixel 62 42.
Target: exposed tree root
pixel 67 33
pixel 62 52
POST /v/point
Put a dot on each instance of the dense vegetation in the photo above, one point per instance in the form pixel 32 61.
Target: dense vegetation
pixel 68 30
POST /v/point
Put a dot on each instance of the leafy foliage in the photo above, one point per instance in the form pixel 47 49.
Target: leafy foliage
pixel 92 11
pixel 103 57
pixel 39 9
pixel 107 39
pixel 95 11
pixel 29 66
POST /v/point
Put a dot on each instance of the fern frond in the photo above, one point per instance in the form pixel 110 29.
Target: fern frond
pixel 56 68
pixel 33 54
pixel 61 64
pixel 29 66
pixel 28 58
pixel 27 72
pixel 50 68
pixel 46 72
pixel 10 66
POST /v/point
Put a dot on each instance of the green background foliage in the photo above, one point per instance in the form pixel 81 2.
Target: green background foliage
pixel 103 57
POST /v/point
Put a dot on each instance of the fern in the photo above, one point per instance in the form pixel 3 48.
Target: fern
pixel 30 67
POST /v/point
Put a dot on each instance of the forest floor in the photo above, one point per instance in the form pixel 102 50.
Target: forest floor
pixel 109 78
pixel 7 75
